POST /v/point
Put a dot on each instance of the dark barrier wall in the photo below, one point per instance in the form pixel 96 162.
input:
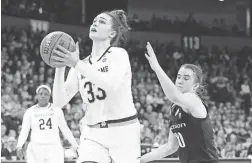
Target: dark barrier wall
pixel 163 161
pixel 232 42
pixel 204 10
pixel 250 18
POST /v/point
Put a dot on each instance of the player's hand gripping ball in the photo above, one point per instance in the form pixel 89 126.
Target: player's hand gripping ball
pixel 51 42
pixel 65 57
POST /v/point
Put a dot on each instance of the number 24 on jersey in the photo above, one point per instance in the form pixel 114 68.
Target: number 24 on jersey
pixel 45 124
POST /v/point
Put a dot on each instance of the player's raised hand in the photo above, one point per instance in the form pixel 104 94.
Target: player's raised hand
pixel 151 57
pixel 65 57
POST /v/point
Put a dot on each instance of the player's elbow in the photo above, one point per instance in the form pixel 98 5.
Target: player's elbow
pixel 56 98
pixel 171 147
pixel 56 101
pixel 59 104
pixel 171 150
pixel 60 101
pixel 174 148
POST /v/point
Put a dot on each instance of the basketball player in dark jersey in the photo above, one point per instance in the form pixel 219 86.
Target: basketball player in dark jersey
pixel 190 131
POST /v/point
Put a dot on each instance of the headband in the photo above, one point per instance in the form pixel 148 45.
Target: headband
pixel 44 86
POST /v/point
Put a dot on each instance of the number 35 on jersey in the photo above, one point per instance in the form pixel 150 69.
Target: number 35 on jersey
pixel 94 93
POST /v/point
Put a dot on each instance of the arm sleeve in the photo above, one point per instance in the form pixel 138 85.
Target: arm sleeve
pixel 63 92
pixel 109 81
pixel 65 129
pixel 26 126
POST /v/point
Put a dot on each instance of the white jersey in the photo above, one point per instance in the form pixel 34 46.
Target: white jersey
pixel 44 124
pixel 113 98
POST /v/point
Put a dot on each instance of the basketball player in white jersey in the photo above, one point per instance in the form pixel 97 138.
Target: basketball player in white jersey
pixel 44 120
pixel 112 132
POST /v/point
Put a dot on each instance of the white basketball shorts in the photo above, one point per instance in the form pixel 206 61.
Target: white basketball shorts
pixel 120 144
pixel 37 153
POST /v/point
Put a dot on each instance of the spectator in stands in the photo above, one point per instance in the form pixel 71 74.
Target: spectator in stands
pixel 11 120
pixel 150 115
pixel 12 133
pixel 10 152
pixel 4 137
pixel 245 93
pixel 228 151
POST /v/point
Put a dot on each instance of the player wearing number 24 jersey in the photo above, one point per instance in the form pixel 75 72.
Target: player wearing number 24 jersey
pixel 191 131
pixel 44 120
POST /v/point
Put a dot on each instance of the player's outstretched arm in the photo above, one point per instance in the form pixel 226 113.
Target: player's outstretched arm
pixel 167 149
pixel 168 86
pixel 65 129
pixel 26 126
pixel 63 91
pixel 186 101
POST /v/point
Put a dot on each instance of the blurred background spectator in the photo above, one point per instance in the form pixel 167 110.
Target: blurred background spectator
pixel 9 152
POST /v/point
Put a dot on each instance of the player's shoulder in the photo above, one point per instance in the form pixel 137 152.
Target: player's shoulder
pixel 118 54
pixel 86 59
pixel 194 98
pixel 118 51
pixel 197 101
pixel 31 109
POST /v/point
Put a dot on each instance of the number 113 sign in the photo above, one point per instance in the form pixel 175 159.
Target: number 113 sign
pixel 190 42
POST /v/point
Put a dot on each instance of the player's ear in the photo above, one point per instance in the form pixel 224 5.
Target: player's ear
pixel 112 34
pixel 196 86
